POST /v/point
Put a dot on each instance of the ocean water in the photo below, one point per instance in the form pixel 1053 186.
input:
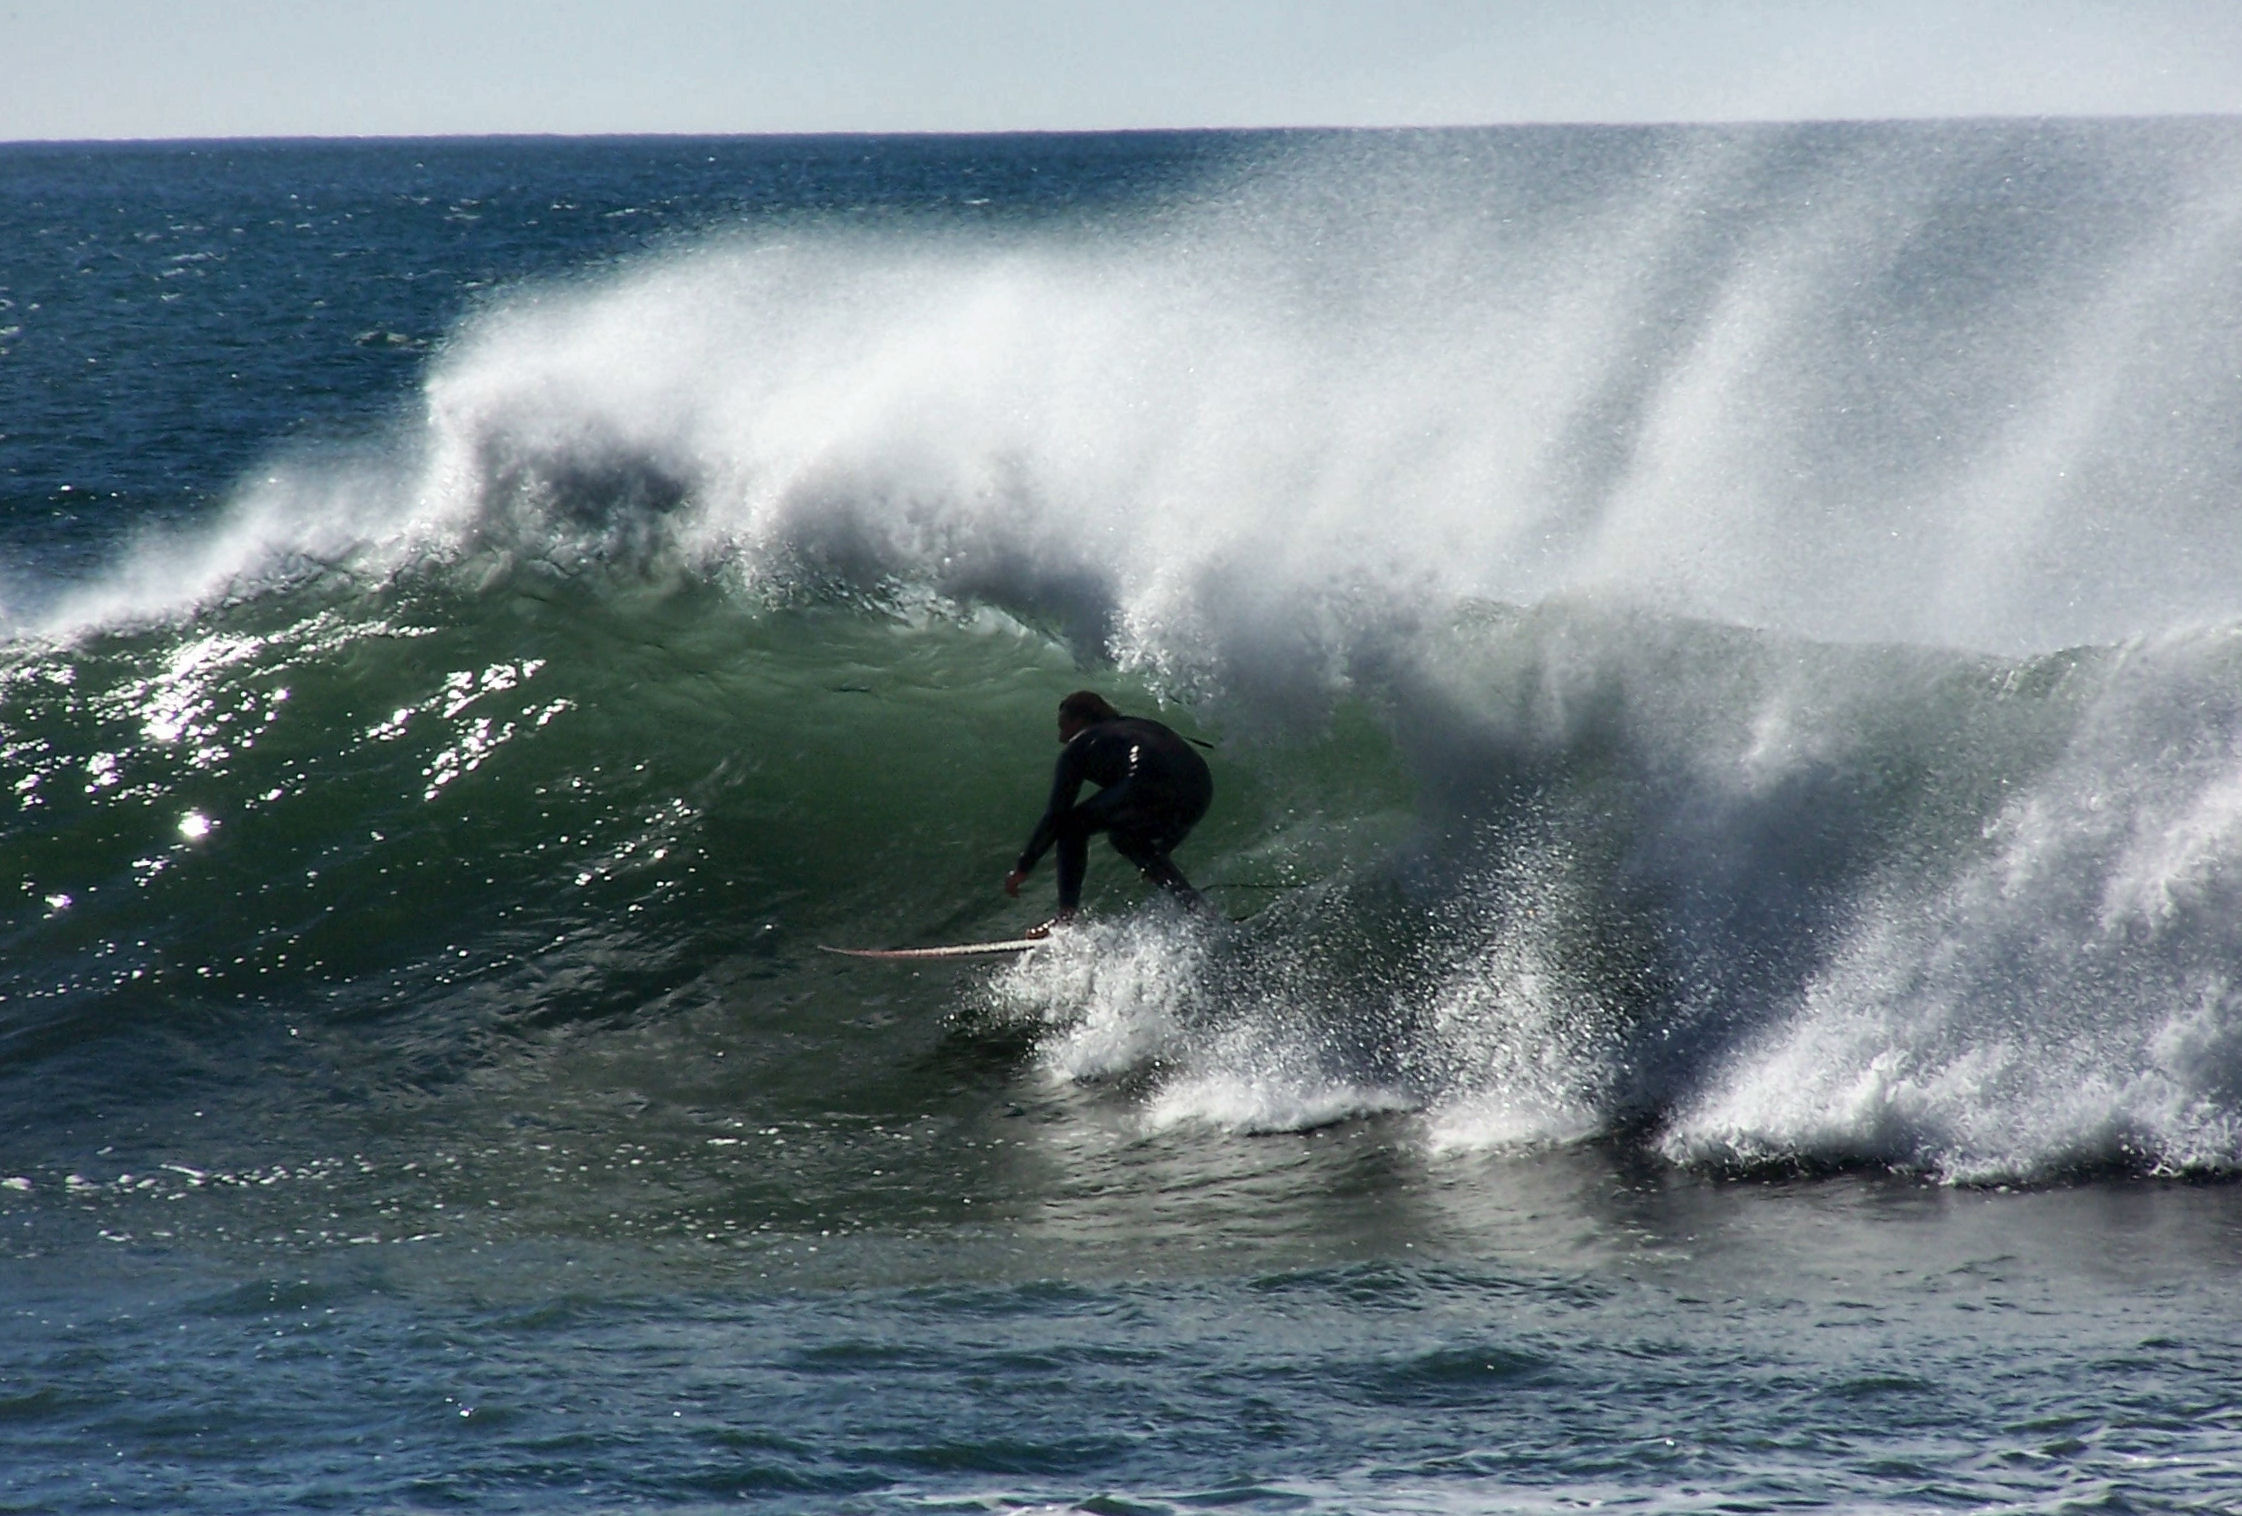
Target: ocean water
pixel 1723 656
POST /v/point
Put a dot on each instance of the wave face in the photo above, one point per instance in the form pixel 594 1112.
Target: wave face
pixel 1722 641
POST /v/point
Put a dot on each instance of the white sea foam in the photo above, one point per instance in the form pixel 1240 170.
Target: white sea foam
pixel 1138 997
pixel 1113 996
pixel 2065 996
pixel 1255 1094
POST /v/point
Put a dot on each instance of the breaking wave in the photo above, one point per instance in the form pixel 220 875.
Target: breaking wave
pixel 1719 640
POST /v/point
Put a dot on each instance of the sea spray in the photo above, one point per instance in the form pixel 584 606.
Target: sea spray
pixel 1804 377
pixel 2064 996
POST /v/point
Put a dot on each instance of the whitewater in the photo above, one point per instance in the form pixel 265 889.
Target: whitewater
pixel 1720 650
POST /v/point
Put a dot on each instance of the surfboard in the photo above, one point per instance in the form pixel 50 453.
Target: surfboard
pixel 948 950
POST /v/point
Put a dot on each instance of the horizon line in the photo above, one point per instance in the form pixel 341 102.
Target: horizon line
pixel 942 133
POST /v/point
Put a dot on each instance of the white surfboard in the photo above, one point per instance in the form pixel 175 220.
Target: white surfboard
pixel 950 950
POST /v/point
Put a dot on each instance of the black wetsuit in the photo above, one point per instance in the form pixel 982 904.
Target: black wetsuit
pixel 1152 790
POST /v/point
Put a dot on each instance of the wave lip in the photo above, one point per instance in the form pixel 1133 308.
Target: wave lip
pixel 1365 380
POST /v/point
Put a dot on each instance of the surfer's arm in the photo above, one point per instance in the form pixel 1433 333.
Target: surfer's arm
pixel 1066 783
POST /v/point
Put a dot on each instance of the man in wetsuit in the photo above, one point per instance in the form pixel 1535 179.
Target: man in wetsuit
pixel 1152 789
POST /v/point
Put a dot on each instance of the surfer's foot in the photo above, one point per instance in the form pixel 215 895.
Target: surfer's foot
pixel 1038 933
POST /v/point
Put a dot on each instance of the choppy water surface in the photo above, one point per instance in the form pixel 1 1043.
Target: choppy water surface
pixel 1719 648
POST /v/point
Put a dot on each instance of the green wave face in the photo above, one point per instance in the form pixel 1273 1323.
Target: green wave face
pixel 258 802
pixel 428 805
pixel 347 877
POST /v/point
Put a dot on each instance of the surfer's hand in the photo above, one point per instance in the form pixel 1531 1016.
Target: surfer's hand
pixel 1013 881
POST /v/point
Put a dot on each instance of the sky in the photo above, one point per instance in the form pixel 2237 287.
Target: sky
pixel 75 69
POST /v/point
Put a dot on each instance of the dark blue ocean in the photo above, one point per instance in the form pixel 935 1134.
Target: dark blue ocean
pixel 1721 650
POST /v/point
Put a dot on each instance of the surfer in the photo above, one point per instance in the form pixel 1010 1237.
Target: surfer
pixel 1152 789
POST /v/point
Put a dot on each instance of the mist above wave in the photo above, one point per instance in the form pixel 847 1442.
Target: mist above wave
pixel 1961 384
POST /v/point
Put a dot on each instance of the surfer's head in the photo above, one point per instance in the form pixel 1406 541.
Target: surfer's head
pixel 1083 709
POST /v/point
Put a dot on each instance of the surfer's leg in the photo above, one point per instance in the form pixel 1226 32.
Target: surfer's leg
pixel 1163 872
pixel 1150 855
